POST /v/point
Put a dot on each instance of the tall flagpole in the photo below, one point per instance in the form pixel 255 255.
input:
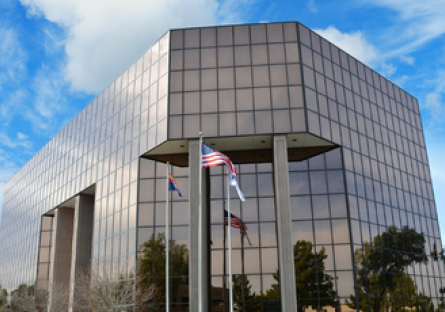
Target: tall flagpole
pixel 167 248
pixel 225 263
pixel 200 226
pixel 229 229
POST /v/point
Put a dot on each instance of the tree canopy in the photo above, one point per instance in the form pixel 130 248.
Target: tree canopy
pixel 381 264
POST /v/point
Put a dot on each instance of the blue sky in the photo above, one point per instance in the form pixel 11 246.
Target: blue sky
pixel 56 55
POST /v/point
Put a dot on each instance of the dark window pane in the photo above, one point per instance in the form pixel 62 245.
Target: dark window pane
pixel 209 102
pixel 296 97
pixel 242 34
pixel 191 102
pixel 243 77
pixel 290 31
pixel 225 78
pixel 227 124
pixel 146 190
pixel 306 56
pixel 277 75
pixel 242 55
pixel 191 58
pixel 276 53
pixel 320 206
pixel 224 35
pixel 263 122
pixel 191 80
pixel 304 35
pixel 226 100
pixel 338 206
pixel 175 81
pixel 267 209
pixel 249 210
pixel 301 207
pixel 275 32
pixel 177 39
pixel 191 125
pixel 280 97
pixel 323 232
pixel 262 98
pixel 281 121
pixel 145 215
pixel 265 185
pixel 259 54
pixel 208 79
pixel 208 37
pixel 336 182
pixel 258 33
pixel 245 123
pixel 294 73
pixel 340 231
pixel 208 58
pixel 176 60
pixel 298 183
pixel 191 38
pixel 343 257
pixel 292 53
pixel 225 56
pixel 261 76
pixel 268 234
pixel 302 231
pixel 244 99
pixel 210 124
pixel 318 182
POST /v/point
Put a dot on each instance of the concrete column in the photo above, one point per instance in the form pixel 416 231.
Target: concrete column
pixel 82 240
pixel 194 296
pixel 60 257
pixel 284 225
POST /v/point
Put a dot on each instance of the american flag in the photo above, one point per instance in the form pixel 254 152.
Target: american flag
pixel 237 223
pixel 211 158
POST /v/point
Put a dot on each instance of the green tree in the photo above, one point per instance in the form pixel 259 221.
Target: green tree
pixel 151 268
pixel 3 298
pixel 381 264
pixel 242 291
pixel 310 279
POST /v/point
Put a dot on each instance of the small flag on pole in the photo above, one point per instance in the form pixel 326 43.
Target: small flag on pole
pixel 172 186
pixel 236 223
pixel 211 158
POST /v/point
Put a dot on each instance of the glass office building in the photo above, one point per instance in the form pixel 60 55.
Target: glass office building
pixel 330 156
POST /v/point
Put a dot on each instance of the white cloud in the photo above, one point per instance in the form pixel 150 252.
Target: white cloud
pixel 419 22
pixel 5 140
pixel 387 70
pixel 354 43
pixel 104 37
pixel 407 59
pixel 312 6
pixel 400 81
pixel 21 136
pixel 12 56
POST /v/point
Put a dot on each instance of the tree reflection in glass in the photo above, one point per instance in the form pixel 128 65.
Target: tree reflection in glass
pixel 380 272
pixel 311 282
pixel 152 270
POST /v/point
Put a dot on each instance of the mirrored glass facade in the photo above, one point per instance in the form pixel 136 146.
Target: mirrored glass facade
pixel 364 226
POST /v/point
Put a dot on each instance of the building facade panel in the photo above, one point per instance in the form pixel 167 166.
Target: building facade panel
pixel 365 233
pixel 99 147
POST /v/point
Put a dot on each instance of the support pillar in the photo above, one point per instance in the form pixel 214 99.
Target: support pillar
pixel 194 295
pixel 60 258
pixel 82 241
pixel 284 224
